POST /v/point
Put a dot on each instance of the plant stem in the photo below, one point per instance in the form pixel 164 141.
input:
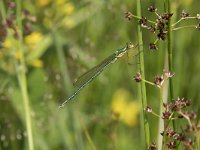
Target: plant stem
pixel 21 73
pixel 62 62
pixel 161 122
pixel 182 19
pixel 139 17
pixel 142 85
pixel 182 27
pixel 170 52
pixel 169 46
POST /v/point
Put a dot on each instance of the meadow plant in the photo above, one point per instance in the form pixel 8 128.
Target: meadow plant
pixel 173 111
pixel 22 73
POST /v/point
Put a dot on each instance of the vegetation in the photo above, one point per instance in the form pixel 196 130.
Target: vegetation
pixel 148 99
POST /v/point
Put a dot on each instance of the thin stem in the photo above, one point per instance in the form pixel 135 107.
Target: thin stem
pixel 177 22
pixel 153 113
pixel 182 27
pixel 151 83
pixel 142 85
pixel 139 17
pixel 87 135
pixel 156 41
pixel 185 18
pixel 170 51
pixel 186 117
pixel 21 73
pixel 2 10
pixel 62 62
pixel 161 128
pixel 169 45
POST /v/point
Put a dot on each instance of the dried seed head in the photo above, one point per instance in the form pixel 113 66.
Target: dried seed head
pixel 27 28
pixel 191 114
pixel 153 46
pixel 10 22
pixel 27 15
pixel 184 14
pixel 180 103
pixel 152 29
pixel 143 22
pixel 168 74
pixel 11 5
pixel 128 15
pixel 148 109
pixel 160 25
pixel 138 77
pixel 188 143
pixel 167 106
pixel 152 8
pixel 179 136
pixel 198 26
pixel 152 146
pixel 171 145
pixel 189 128
pixel 158 80
pixel 166 16
pixel 166 115
pixel 198 127
pixel 161 35
pixel 198 16
pixel 3 31
pixel 170 132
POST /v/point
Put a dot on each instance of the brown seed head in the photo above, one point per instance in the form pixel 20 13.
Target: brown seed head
pixel 198 16
pixel 184 14
pixel 166 115
pixel 152 8
pixel 153 46
pixel 158 80
pixel 152 146
pixel 148 109
pixel 171 145
pixel 138 77
pixel 128 15
pixel 143 22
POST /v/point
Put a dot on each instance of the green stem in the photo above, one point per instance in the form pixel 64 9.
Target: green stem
pixel 169 45
pixel 182 27
pixel 142 85
pixel 151 83
pixel 177 22
pixel 183 19
pixel 21 73
pixel 62 63
pixel 170 52
pixel 139 17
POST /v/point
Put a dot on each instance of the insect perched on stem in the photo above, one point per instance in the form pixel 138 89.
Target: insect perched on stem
pixel 87 77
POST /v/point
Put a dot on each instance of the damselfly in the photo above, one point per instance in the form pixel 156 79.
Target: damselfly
pixel 87 77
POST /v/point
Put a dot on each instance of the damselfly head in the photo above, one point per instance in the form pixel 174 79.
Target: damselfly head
pixel 130 45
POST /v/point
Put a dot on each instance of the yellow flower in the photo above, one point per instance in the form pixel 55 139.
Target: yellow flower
pixel 69 23
pixel 7 44
pixel 42 3
pixel 33 38
pixel 59 2
pixel 68 8
pixel 129 116
pixel 37 63
pixel 124 110
pixel 17 55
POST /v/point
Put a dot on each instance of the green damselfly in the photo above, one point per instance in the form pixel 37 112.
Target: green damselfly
pixel 87 77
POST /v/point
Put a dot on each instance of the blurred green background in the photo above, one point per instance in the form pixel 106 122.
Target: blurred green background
pixel 68 38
